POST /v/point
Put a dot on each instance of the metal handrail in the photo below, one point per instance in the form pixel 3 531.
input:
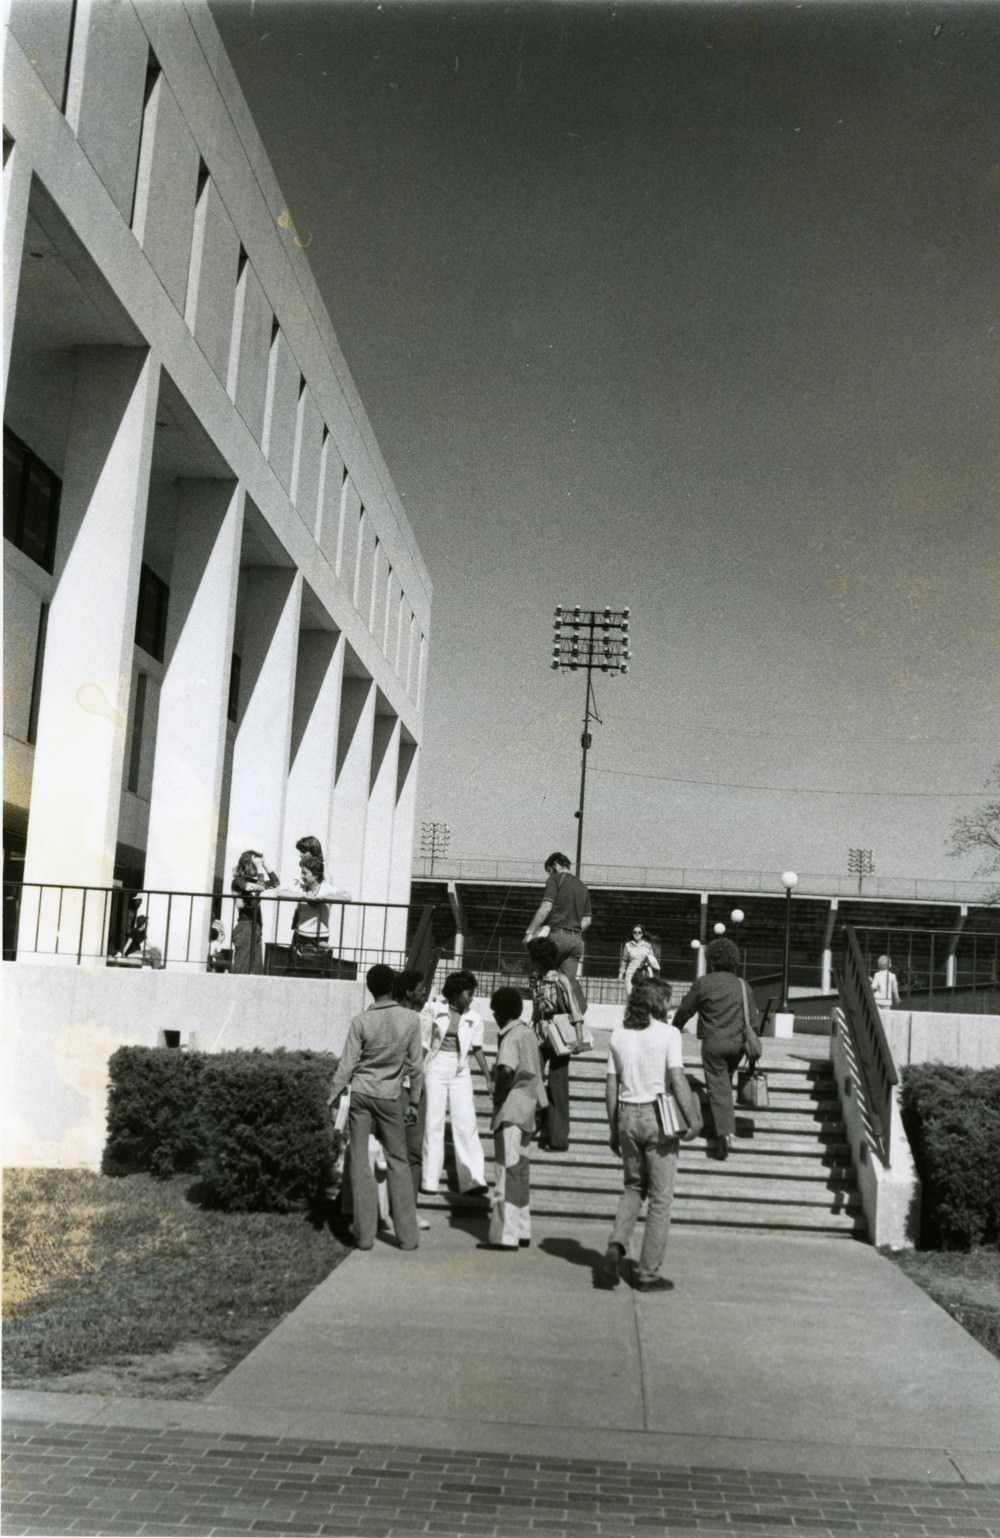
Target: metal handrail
pixel 79 922
pixel 878 1069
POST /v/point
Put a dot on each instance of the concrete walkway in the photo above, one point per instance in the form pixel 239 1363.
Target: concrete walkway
pixel 785 1354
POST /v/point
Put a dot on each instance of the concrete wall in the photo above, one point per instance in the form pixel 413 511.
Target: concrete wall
pixel 890 1191
pixel 963 1041
pixel 61 1025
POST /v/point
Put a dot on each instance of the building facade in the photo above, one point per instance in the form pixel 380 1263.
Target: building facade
pixel 216 614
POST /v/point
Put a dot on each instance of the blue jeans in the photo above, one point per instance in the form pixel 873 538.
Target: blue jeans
pixel 650 1164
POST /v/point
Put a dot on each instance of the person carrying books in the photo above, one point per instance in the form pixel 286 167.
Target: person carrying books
pixel 557 1015
pixel 650 1110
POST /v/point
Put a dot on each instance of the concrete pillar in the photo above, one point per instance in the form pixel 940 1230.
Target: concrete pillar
pixel 315 722
pixel 950 965
pixel 270 604
pixel 84 699
pixel 350 806
pixel 385 927
pixel 191 725
pixel 16 193
pixel 455 903
pixel 401 859
pixel 702 966
pixel 826 965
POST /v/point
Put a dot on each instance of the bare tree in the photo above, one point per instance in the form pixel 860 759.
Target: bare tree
pixel 978 833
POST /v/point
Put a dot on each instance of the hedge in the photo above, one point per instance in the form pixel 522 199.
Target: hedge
pixel 252 1125
pixel 952 1118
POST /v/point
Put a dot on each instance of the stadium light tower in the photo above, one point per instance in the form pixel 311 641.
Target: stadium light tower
pixel 596 640
pixel 861 863
pixel 434 840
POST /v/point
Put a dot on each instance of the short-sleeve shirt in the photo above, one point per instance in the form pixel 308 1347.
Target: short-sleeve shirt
pixel 641 1060
pixel 569 898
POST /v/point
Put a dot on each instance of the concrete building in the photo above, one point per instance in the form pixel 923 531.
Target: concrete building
pixel 216 614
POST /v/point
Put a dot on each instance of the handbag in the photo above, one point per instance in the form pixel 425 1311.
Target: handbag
pixel 558 1032
pixel 751 1088
pixel 751 1041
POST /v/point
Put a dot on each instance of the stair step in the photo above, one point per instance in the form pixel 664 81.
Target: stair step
pixel 580 1166
pixel 687 1211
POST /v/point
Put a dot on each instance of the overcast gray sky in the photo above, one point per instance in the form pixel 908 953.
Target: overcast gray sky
pixel 692 308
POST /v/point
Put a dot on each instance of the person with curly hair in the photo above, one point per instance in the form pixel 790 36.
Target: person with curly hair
pixel 723 1003
pixel 252 875
pixel 452 1032
pixel 645 1056
pixel 518 1093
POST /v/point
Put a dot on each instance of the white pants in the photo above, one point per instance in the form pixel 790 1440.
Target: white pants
pixel 448 1087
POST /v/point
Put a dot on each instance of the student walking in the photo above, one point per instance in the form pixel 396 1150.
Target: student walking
pixel 645 1060
pixel 555 997
pixel 723 1004
pixel 452 1032
pixel 518 1094
pixel 382 1047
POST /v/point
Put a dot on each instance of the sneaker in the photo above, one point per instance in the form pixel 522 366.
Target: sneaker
pixel 423 1223
pixel 611 1265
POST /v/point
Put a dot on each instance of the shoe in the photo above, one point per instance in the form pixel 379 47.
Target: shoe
pixel 522 1244
pixel 611 1265
pixel 423 1223
pixel 653 1284
pixel 724 1143
pixel 477 1191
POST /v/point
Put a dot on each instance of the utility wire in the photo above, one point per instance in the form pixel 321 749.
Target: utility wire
pixel 798 790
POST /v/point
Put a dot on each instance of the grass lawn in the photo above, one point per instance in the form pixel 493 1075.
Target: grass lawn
pixel 123 1286
pixel 967 1285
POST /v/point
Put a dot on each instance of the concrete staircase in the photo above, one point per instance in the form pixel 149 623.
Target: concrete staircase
pixel 790 1169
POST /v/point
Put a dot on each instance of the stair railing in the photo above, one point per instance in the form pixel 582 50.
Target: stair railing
pixel 878 1070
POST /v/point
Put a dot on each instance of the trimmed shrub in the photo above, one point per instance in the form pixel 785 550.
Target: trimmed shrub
pixel 153 1123
pixel 952 1118
pixel 265 1129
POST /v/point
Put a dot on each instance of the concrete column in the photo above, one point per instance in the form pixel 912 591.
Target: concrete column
pixel 455 902
pixel 401 859
pixel 385 928
pixel 350 807
pixel 270 604
pixel 315 721
pixel 83 705
pixel 826 967
pixel 16 193
pixel 702 966
pixel 950 965
pixel 191 726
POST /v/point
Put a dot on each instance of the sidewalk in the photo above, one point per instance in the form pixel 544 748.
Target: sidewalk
pixel 810 1370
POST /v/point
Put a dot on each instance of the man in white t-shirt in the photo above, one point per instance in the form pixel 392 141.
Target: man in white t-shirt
pixel 645 1061
pixel 884 985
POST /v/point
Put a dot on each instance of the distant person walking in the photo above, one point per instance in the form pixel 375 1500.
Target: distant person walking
pixel 645 1060
pixel 252 875
pixel 563 914
pixel 885 986
pixel 722 1002
pixel 382 1048
pixel 639 960
pixel 452 1032
pixel 518 1095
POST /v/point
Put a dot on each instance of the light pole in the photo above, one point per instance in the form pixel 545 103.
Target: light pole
pixel 789 881
pixel 434 840
pixel 596 640
pixel 861 863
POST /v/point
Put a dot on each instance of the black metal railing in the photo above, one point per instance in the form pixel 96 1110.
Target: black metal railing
pixel 875 1060
pixel 136 927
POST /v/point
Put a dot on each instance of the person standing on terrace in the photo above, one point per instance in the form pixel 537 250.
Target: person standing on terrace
pixel 563 914
pixel 252 875
pixel 311 919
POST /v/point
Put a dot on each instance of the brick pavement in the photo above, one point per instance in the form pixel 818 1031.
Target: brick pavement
pixel 62 1478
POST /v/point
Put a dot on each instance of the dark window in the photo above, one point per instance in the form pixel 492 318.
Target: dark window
pixel 138 722
pixel 232 711
pixel 30 502
pixel 151 614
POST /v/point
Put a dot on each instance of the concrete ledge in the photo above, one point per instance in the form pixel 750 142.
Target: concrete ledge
pixel 962 1041
pixel 890 1193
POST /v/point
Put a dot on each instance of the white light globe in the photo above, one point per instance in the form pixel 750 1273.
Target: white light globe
pixel 696 945
pixel 789 879
pixel 719 929
pixel 737 915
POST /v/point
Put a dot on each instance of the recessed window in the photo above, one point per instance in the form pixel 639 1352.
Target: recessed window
pixel 151 613
pixel 30 502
